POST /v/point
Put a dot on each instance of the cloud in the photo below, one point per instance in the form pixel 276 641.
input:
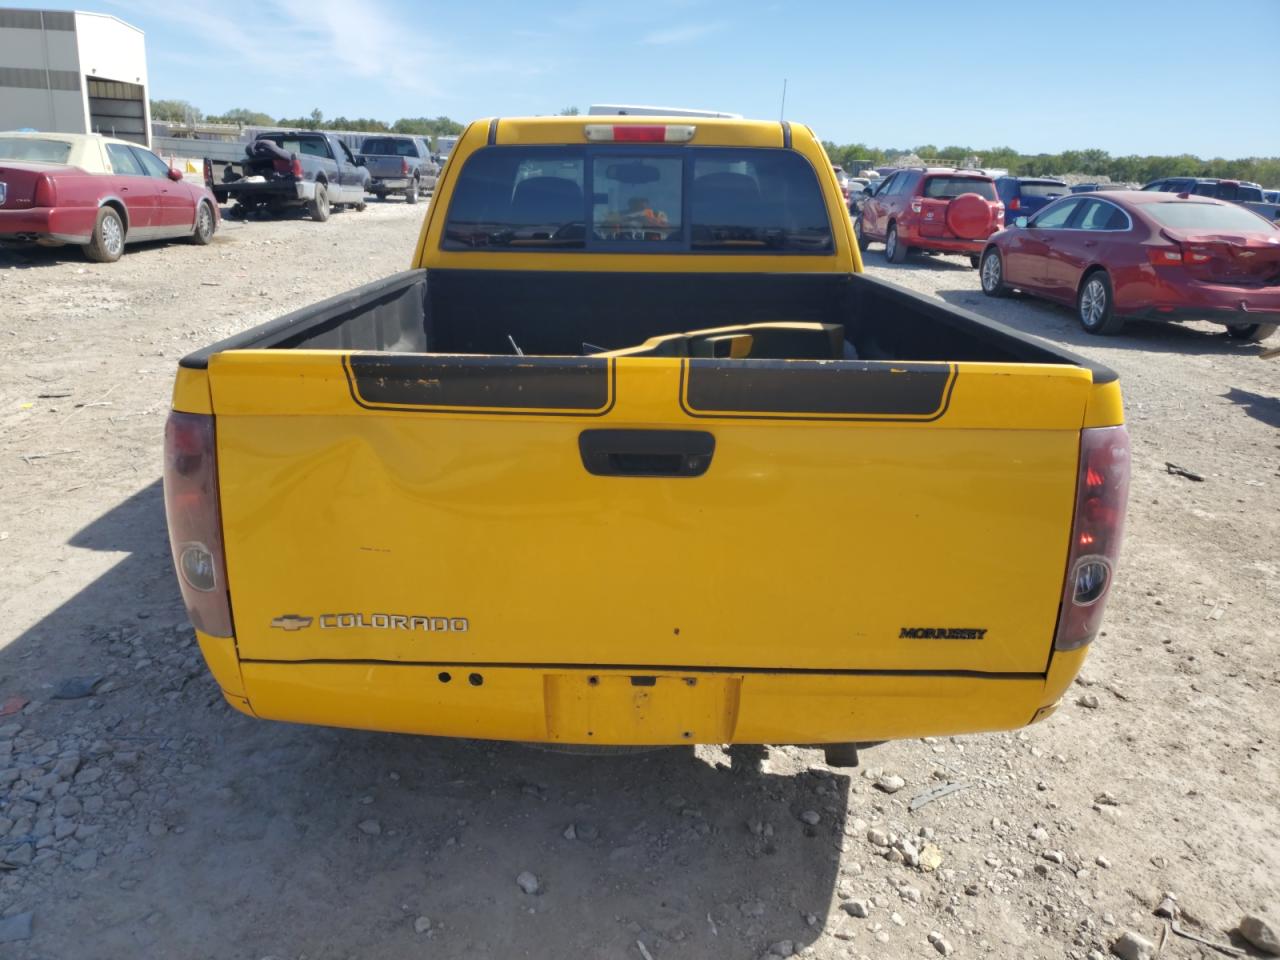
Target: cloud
pixel 683 34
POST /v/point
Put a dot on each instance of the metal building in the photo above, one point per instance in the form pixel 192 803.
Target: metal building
pixel 73 72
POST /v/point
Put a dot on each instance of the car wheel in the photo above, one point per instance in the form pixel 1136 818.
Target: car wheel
pixel 1257 332
pixel 380 195
pixel 205 225
pixel 991 273
pixel 319 205
pixel 1094 305
pixel 863 242
pixel 411 195
pixel 106 243
pixel 361 206
pixel 894 251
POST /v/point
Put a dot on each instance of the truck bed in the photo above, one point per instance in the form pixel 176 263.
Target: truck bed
pixel 553 314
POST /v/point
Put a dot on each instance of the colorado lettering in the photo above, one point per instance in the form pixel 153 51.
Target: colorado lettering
pixel 392 621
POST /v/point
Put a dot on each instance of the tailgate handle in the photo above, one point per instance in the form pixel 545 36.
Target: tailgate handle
pixel 646 453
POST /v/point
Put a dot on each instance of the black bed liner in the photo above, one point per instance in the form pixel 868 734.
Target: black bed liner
pixel 556 312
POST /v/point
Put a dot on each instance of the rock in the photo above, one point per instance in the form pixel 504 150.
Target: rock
pixel 930 858
pixel 783 948
pixel 528 882
pixel 877 837
pixel 856 908
pixel 812 818
pixel 890 783
pixel 86 861
pixel 940 943
pixel 1054 856
pixel 88 776
pixel 15 928
pixel 1102 861
pixel 1262 932
pixel 910 894
pixel 422 925
pixel 1089 701
pixel 371 827
pixel 76 688
pixel 587 832
pixel 570 832
pixel 66 768
pixel 21 856
pixel 1039 834
pixel 1133 946
pixel 67 806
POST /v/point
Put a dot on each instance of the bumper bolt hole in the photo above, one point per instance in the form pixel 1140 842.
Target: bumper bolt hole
pixel 475 680
pixel 444 676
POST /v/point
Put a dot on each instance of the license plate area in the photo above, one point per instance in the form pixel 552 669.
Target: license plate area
pixel 640 709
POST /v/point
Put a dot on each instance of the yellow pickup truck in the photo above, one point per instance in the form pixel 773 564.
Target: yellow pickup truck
pixel 637 455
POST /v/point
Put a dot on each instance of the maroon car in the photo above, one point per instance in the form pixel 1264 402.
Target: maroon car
pixel 96 192
pixel 1156 256
pixel 938 209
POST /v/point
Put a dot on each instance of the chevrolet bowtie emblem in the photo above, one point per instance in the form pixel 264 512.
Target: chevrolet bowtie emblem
pixel 291 621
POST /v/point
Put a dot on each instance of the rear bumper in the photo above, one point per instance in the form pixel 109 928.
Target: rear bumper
pixel 389 183
pixel 288 191
pixel 1217 303
pixel 943 244
pixel 588 705
pixel 48 224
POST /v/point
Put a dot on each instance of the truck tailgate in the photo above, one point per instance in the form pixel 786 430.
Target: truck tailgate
pixel 853 516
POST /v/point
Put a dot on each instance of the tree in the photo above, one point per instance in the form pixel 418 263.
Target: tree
pixel 570 112
pixel 246 118
pixel 175 111
pixel 426 126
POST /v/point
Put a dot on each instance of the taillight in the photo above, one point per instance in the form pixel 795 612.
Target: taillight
pixel 1096 532
pixel 639 132
pixel 404 166
pixel 917 206
pixel 46 193
pixel 1165 256
pixel 295 167
pixel 1015 204
pixel 208 172
pixel 195 522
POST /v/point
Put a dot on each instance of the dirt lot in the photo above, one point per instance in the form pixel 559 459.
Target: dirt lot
pixel 150 820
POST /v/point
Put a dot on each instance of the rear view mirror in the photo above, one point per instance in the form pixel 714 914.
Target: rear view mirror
pixel 1020 222
pixel 175 174
pixel 632 172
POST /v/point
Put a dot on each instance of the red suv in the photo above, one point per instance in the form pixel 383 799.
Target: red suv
pixel 941 209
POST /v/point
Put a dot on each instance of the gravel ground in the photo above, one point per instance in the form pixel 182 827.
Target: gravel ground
pixel 141 817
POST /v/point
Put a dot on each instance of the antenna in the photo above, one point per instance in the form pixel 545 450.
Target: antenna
pixel 782 113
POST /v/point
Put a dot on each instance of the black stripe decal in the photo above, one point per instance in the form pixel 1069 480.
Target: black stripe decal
pixel 786 134
pixel 566 386
pixel 493 131
pixel 816 389
pixel 663 668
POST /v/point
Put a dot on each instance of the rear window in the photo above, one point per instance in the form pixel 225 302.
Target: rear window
pixel 1044 190
pixel 303 146
pixel 1188 215
pixel 948 188
pixel 37 151
pixel 641 199
pixel 390 148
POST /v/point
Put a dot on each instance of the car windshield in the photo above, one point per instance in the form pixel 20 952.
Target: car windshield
pixel 649 198
pixel 388 147
pixel 948 188
pixel 1044 189
pixel 1189 215
pixel 40 151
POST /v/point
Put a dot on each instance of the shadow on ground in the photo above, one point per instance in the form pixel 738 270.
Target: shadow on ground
pixel 1265 409
pixel 224 836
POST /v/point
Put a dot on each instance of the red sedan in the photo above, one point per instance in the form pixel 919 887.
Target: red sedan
pixel 96 192
pixel 1155 256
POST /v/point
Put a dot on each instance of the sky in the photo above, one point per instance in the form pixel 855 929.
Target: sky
pixel 1174 76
